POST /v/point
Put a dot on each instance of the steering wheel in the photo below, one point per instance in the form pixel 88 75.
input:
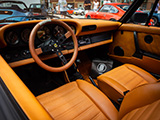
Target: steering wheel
pixel 53 45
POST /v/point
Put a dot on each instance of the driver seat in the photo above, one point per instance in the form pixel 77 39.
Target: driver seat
pixel 81 100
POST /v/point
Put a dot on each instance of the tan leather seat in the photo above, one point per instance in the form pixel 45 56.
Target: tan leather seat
pixel 126 77
pixel 81 100
pixel 78 100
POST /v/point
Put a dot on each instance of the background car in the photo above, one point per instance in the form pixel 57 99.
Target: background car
pixel 79 11
pixel 114 11
pixel 109 11
pixel 13 8
pixel 70 10
pixel 38 9
pixel 155 18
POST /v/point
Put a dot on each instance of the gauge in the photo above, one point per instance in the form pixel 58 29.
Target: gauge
pixel 73 28
pixel 12 38
pixel 58 31
pixel 43 33
pixel 25 35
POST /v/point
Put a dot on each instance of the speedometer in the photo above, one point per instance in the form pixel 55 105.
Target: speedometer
pixel 25 35
pixel 44 33
pixel 12 38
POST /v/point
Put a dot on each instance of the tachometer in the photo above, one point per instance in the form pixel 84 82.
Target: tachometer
pixel 44 33
pixel 58 31
pixel 12 38
pixel 25 35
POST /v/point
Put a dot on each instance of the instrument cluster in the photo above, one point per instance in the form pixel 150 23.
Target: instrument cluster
pixel 18 39
pixel 20 36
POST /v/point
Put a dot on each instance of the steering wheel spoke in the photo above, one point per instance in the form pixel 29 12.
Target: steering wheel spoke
pixel 64 37
pixel 68 34
pixel 61 57
pixel 38 51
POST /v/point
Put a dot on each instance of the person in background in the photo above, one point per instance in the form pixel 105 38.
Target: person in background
pixel 95 5
pixel 54 9
pixel 62 7
pixel 106 1
pixel 87 5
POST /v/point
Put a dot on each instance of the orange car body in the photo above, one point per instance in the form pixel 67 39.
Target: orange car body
pixel 108 15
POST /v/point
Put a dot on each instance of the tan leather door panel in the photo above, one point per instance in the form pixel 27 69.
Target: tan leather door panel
pixel 153 47
pixel 124 48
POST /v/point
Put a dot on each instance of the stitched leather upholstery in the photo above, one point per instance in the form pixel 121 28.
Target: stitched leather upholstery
pixel 126 77
pixel 78 100
pixel 148 112
pixel 142 103
pixel 81 100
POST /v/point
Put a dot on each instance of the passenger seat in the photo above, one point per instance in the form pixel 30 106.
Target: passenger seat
pixel 117 82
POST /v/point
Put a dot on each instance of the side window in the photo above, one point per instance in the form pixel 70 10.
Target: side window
pixel 109 9
pixel 105 8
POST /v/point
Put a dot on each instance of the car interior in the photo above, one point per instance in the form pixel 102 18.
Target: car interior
pixel 81 69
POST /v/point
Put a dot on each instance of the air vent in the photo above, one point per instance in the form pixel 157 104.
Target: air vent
pixel 148 39
pixel 89 28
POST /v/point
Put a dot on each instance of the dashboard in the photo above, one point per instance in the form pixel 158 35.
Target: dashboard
pixel 14 38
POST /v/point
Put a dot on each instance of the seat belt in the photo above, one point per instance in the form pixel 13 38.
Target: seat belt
pixel 121 99
pixel 138 53
pixel 90 78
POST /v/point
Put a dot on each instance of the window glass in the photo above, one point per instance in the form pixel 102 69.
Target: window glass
pixel 105 8
pixel 111 10
pixel 11 5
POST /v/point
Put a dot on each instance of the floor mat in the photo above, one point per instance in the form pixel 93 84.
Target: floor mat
pixel 39 80
pixel 84 66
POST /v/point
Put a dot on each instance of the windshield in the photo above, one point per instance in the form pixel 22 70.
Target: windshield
pixel 36 6
pixel 87 9
pixel 12 5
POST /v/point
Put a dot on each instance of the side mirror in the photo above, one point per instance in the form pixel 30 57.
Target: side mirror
pixel 139 17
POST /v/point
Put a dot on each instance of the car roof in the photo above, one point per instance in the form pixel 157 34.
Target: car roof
pixel 36 4
pixel 12 1
pixel 42 5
